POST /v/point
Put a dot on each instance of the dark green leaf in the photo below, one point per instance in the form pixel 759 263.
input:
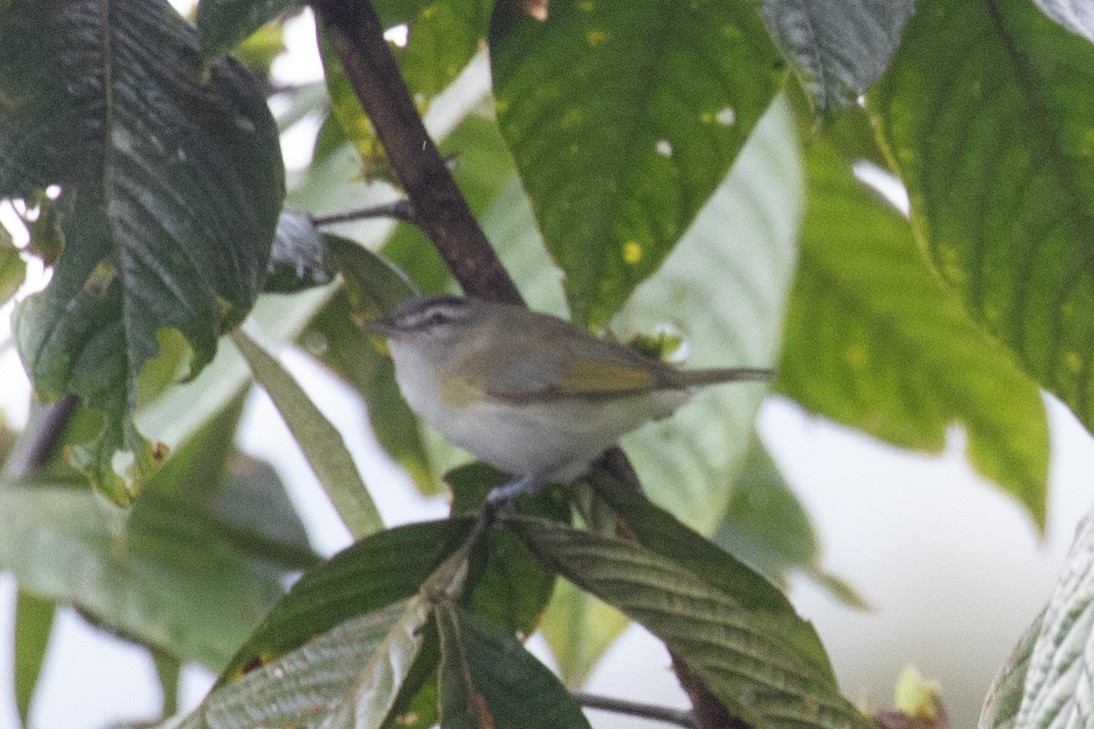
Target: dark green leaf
pixel 384 568
pixel 170 191
pixel 488 679
pixel 623 118
pixel 164 575
pixel 986 109
pixel 838 47
pixel 744 658
pixel 299 258
pixel 872 341
pixel 1005 695
pixel 660 532
pixel 33 626
pixel 223 24
pixel 320 441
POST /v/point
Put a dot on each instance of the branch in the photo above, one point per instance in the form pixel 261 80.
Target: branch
pixel 710 713
pixel 40 438
pixel 400 210
pixel 633 708
pixel 357 37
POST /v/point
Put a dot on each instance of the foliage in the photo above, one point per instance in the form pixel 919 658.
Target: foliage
pixel 688 167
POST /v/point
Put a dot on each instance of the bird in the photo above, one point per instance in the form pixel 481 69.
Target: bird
pixel 531 394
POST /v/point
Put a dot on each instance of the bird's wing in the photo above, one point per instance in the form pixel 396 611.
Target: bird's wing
pixel 560 370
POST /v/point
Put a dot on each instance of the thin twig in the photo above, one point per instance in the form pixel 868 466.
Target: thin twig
pixel 399 210
pixel 633 708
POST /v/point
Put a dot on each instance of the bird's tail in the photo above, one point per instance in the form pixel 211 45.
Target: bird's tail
pixel 724 374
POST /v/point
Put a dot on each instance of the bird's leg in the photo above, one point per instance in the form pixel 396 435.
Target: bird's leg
pixel 509 491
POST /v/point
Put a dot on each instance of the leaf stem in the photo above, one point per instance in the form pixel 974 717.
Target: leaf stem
pixel 679 717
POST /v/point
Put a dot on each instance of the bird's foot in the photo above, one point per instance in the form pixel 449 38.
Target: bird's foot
pixel 506 493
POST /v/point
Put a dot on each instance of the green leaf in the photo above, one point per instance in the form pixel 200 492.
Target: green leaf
pixel 488 679
pixel 381 569
pixel 510 586
pixel 346 677
pixel 659 532
pixel 321 442
pixel 164 575
pixel 769 530
pixel 986 109
pixel 623 118
pixel 1005 695
pixel 224 24
pixel 873 342
pixel 33 626
pixel 838 47
pixel 299 258
pixel 346 109
pixel 442 37
pixel 746 661
pixel 689 462
pixel 373 285
pixel 350 675
pixel 1057 691
pixel 724 289
pixel 170 191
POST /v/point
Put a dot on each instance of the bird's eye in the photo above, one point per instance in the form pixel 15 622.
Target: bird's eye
pixel 437 318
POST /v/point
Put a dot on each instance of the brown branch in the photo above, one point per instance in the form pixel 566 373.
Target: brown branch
pixel 357 36
pixel 710 713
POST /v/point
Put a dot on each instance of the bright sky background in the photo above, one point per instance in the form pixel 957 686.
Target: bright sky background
pixel 952 569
